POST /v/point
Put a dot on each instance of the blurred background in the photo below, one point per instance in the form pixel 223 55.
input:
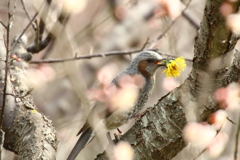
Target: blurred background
pixel 98 27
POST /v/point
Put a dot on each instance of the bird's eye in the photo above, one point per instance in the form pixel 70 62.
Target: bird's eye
pixel 149 60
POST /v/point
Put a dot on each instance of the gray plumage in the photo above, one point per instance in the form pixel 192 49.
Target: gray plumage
pixel 144 93
pixel 145 64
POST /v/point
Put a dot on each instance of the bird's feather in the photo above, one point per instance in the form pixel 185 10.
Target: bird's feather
pixel 86 137
pixel 85 127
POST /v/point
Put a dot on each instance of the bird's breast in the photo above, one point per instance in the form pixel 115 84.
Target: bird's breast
pixel 120 117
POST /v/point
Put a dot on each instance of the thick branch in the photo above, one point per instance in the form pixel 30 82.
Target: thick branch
pixel 27 132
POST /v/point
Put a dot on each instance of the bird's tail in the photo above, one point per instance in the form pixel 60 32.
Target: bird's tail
pixel 86 137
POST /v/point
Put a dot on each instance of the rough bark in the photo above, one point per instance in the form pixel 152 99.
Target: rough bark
pixel 28 133
pixel 158 134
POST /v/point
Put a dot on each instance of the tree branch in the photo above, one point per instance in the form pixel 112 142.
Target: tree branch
pixel 3 24
pixel 26 12
pixel 5 77
pixel 6 66
pixel 24 30
pixel 113 53
pixel 28 133
pixel 236 141
pixel 87 56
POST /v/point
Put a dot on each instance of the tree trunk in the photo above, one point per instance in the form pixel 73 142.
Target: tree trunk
pixel 28 133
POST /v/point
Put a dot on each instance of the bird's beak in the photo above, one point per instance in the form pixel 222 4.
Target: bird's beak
pixel 160 63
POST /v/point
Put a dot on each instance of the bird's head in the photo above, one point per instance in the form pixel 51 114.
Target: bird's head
pixel 147 62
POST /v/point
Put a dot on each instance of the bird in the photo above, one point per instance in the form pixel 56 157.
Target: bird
pixel 144 64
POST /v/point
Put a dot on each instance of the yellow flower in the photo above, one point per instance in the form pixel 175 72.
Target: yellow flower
pixel 174 67
pixel 33 111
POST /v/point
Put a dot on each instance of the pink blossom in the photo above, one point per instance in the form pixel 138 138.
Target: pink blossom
pixel 122 151
pixel 198 134
pixel 170 84
pixel 218 118
pixel 217 145
pixel 120 96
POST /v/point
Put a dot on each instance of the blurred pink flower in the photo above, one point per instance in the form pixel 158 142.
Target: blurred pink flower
pixel 127 90
pixel 193 131
pixel 103 93
pixel 135 79
pixel 120 12
pixel 14 56
pixel 233 96
pixel 170 84
pixel 172 8
pixel 106 73
pixel 40 75
pixel 48 71
pixel 73 6
pixel 229 97
pixel 226 8
pixel 122 151
pixel 217 145
pixel 217 119
pixel 233 23
pixel 221 96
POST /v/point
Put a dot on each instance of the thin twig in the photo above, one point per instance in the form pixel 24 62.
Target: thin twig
pixel 170 26
pixel 87 56
pixel 231 121
pixel 169 55
pixel 113 53
pixel 14 10
pixel 145 44
pixel 236 141
pixel 199 154
pixel 3 24
pixel 24 30
pixel 6 66
pixel 26 12
pixel 191 20
pixel 11 15
pixel 38 37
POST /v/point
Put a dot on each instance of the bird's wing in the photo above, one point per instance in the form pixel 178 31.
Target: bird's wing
pixel 87 133
pixel 85 127
pixel 97 111
pixel 86 136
